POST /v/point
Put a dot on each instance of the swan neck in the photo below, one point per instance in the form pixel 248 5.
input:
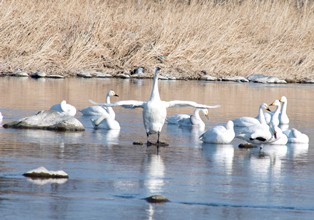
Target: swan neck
pixel 108 99
pixel 277 111
pixel 197 113
pixel 261 116
pixel 284 108
pixel 110 110
pixel 155 91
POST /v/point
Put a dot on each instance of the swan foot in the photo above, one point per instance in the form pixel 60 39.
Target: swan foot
pixel 137 143
pixel 158 144
pixel 162 144
pixel 149 143
pixel 246 146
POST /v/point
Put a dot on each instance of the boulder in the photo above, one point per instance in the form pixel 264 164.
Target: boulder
pixel 157 199
pixel 235 79
pixel 48 120
pixel 208 78
pixel 260 78
pixel 42 172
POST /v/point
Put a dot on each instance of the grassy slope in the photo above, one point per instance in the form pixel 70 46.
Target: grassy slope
pixel 222 39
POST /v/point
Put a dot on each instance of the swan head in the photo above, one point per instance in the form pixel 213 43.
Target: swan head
pixel 157 69
pixel 230 124
pixel 283 99
pixel 275 103
pixel 205 111
pixel 265 107
pixel 112 93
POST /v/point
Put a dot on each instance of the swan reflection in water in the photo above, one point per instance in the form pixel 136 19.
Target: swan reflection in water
pixel 154 180
pixel 155 174
pixel 297 150
pixel 266 161
pixel 110 137
pixel 221 155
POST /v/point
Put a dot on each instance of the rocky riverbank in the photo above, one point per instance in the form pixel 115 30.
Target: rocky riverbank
pixel 140 73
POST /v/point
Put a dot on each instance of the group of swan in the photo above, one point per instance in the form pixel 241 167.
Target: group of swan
pixel 262 129
pixel 265 128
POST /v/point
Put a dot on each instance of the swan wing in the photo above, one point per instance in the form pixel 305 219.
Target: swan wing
pixel 181 103
pixel 123 103
pixel 174 119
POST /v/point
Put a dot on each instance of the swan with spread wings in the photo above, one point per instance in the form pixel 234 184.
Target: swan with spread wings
pixel 155 110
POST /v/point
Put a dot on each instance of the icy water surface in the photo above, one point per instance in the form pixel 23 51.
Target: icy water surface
pixel 109 176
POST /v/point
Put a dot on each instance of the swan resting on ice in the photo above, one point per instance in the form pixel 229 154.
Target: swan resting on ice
pixel 219 134
pixel 155 110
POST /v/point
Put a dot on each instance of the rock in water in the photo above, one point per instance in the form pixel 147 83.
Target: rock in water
pixel 48 120
pixel 42 172
pixel 157 199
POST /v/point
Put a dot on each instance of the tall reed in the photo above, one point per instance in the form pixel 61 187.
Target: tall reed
pixel 187 37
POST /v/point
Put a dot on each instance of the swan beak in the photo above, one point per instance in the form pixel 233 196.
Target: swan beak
pixel 275 134
pixel 116 95
pixel 268 109
pixel 207 116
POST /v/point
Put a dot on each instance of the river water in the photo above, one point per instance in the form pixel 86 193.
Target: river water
pixel 109 176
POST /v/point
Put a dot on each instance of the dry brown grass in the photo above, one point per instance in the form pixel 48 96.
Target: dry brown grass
pixel 224 39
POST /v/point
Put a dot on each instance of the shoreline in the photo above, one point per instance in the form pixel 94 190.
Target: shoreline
pixel 253 78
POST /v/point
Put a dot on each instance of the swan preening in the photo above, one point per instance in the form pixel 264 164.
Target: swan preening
pixel 65 108
pixel 155 110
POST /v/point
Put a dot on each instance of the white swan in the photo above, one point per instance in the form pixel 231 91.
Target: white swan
pixel 264 134
pixel 219 134
pixel 282 116
pixel 65 108
pixel 256 134
pixel 248 121
pixel 279 138
pixel 98 110
pixel 295 136
pixel 275 116
pixel 155 110
pixel 1 117
pixel 106 121
pixel 187 120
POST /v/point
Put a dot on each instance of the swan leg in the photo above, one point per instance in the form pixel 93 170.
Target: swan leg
pixel 148 142
pixel 159 143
